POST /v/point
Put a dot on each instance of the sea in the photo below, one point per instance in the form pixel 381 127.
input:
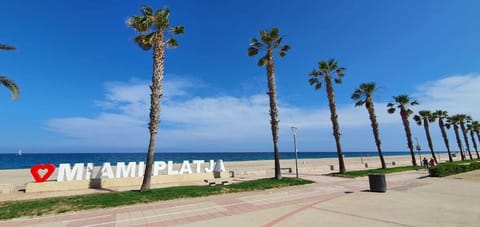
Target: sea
pixel 27 160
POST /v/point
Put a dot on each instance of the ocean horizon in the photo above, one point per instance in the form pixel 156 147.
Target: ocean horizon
pixel 27 160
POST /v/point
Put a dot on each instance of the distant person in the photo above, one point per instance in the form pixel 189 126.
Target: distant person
pixel 425 163
pixel 432 162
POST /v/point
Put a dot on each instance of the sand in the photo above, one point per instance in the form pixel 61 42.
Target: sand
pixel 13 182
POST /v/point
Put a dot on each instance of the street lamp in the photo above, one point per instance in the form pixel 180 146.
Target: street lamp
pixel 294 130
pixel 418 149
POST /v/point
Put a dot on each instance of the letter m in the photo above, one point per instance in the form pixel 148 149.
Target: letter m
pixel 67 173
pixel 128 171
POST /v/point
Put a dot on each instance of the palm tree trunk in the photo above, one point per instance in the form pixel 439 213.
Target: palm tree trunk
pixel 474 143
pixel 467 144
pixel 478 137
pixel 272 94
pixel 155 100
pixel 459 142
pixel 376 134
pixel 336 127
pixel 445 138
pixel 408 133
pixel 429 138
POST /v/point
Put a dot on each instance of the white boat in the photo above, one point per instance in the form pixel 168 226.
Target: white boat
pixel 19 151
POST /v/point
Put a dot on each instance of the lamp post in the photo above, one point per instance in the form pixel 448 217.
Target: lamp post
pixel 294 130
pixel 418 149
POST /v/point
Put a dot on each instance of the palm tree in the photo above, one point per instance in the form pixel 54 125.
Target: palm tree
pixel 402 102
pixel 473 128
pixel 7 82
pixel 327 69
pixel 154 29
pixel 455 121
pixel 363 95
pixel 465 119
pixel 269 42
pixel 441 115
pixel 426 116
pixel 477 131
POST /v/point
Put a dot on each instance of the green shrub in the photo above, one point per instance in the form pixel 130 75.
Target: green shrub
pixel 446 169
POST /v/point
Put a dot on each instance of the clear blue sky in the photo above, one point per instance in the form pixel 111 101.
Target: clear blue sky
pixel 84 82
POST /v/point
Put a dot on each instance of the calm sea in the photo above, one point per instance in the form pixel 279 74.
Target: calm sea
pixel 26 160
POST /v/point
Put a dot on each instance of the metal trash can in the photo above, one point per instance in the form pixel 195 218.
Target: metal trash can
pixel 219 167
pixel 377 182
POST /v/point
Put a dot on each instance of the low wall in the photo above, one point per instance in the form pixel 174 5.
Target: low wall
pixel 106 183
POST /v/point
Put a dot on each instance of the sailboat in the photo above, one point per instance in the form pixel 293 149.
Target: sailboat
pixel 19 151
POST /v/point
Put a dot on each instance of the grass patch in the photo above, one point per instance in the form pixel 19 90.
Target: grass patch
pixel 38 207
pixel 363 173
pixel 451 168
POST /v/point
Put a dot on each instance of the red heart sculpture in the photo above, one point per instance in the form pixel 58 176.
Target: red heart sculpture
pixel 36 175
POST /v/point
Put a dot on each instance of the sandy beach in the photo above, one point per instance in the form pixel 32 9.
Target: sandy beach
pixel 13 182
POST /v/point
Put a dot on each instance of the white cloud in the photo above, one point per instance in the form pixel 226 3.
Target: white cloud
pixel 456 94
pixel 227 123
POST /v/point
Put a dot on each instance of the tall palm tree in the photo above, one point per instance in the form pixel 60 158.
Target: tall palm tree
pixel 363 95
pixel 473 128
pixel 326 70
pixel 442 115
pixel 477 131
pixel 7 82
pixel 426 116
pixel 270 41
pixel 403 102
pixel 155 32
pixel 465 119
pixel 455 122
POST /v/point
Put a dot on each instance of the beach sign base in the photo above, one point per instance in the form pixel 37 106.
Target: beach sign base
pixel 106 183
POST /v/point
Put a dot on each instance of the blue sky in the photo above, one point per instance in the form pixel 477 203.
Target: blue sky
pixel 84 83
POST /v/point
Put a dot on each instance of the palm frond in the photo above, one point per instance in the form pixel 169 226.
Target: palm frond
pixel 338 80
pixel 262 61
pixel 172 43
pixel 323 66
pixel 283 51
pixel 6 47
pixel 146 11
pixel 178 30
pixel 339 71
pixel 252 51
pixel 139 23
pixel 357 94
pixel 359 103
pixel 161 20
pixel 285 48
pixel 417 119
pixel 313 81
pixel 409 112
pixel 315 73
pixel 145 41
pixel 11 85
pixel 277 42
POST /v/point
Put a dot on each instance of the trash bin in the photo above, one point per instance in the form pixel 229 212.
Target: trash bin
pixel 377 182
pixel 219 166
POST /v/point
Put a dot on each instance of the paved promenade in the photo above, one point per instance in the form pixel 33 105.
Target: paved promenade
pixel 412 199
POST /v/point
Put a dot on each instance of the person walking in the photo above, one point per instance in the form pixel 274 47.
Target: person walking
pixel 425 163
